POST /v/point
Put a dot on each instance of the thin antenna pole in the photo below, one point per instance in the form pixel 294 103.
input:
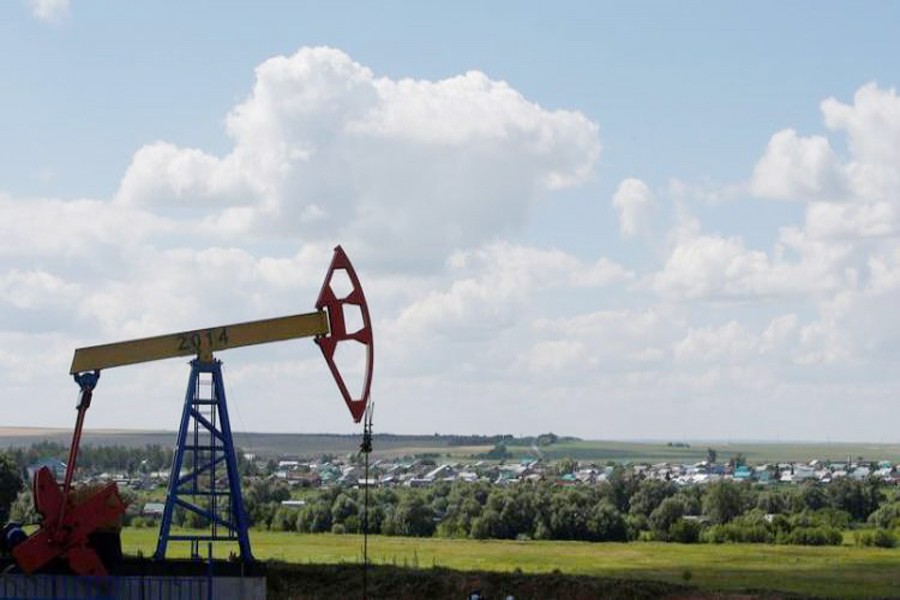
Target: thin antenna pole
pixel 366 448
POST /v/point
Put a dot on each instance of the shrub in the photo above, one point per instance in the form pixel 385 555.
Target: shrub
pixel 685 531
pixel 882 538
pixel 813 536
pixel 738 533
pixel 887 516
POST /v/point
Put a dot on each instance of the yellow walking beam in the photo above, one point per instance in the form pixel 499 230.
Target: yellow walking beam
pixel 200 342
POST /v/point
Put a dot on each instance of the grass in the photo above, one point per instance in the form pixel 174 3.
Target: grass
pixel 844 571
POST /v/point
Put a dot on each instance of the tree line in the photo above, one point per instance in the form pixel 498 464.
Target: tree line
pixel 625 508
pixel 97 458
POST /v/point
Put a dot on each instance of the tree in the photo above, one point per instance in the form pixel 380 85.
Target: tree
pixel 738 460
pixel 315 517
pixel 22 510
pixel 810 496
pixel 413 517
pixel 620 487
pixel 772 502
pixel 498 452
pixel 486 526
pixel 568 518
pixel 10 484
pixel 516 513
pixel 262 498
pixel 649 495
pixel 284 519
pixel 886 517
pixel 669 512
pixel 606 524
pixel 346 511
pixel 723 501
pixel 566 465
pixel 859 498
pixel 546 439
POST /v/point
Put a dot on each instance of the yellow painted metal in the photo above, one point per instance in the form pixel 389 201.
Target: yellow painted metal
pixel 200 342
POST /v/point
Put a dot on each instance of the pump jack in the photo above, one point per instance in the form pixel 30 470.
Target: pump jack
pixel 204 434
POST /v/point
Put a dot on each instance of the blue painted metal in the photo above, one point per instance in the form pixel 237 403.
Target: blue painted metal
pixel 203 447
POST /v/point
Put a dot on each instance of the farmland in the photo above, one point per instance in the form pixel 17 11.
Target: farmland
pixel 447 446
pixel 844 571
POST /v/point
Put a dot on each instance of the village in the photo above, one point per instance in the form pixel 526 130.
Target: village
pixel 423 473
pixel 330 471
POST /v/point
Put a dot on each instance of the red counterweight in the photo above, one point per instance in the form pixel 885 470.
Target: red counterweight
pixel 338 333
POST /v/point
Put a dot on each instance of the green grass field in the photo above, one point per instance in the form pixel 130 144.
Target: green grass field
pixel 834 572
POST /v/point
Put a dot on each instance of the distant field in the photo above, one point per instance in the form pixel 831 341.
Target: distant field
pixel 389 446
pixel 603 451
pixel 845 572
pixel 263 444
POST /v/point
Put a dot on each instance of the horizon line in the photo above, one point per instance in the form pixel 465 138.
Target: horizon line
pixel 31 430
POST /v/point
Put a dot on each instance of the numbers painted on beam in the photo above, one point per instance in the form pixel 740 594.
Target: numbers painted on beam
pixel 193 341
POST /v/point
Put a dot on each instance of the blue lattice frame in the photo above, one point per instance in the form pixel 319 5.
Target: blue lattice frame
pixel 220 450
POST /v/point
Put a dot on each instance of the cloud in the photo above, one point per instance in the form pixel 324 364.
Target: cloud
pixel 635 203
pixel 712 265
pixel 848 197
pixel 431 186
pixel 491 284
pixel 872 124
pixel 422 181
pixel 409 170
pixel 796 168
pixel 49 11
pixel 80 228
pixel 608 341
pixel 32 289
pixel 736 343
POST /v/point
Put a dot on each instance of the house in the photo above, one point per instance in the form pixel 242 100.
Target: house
pixel 153 509
pixel 445 472
pixel 860 472
pixel 56 466
pixel 301 479
pixel 743 473
pixel 417 482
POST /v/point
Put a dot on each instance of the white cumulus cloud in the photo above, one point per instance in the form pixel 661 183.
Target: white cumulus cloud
pixel 797 168
pixel 635 203
pixel 49 11
pixel 407 169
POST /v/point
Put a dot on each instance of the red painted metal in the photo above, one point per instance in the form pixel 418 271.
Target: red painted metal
pixel 338 330
pixel 66 526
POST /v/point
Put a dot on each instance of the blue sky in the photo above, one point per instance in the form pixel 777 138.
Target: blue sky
pixel 641 220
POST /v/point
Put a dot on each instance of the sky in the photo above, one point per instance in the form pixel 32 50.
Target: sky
pixel 654 220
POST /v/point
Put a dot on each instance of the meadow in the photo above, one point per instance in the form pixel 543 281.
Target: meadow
pixel 834 572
